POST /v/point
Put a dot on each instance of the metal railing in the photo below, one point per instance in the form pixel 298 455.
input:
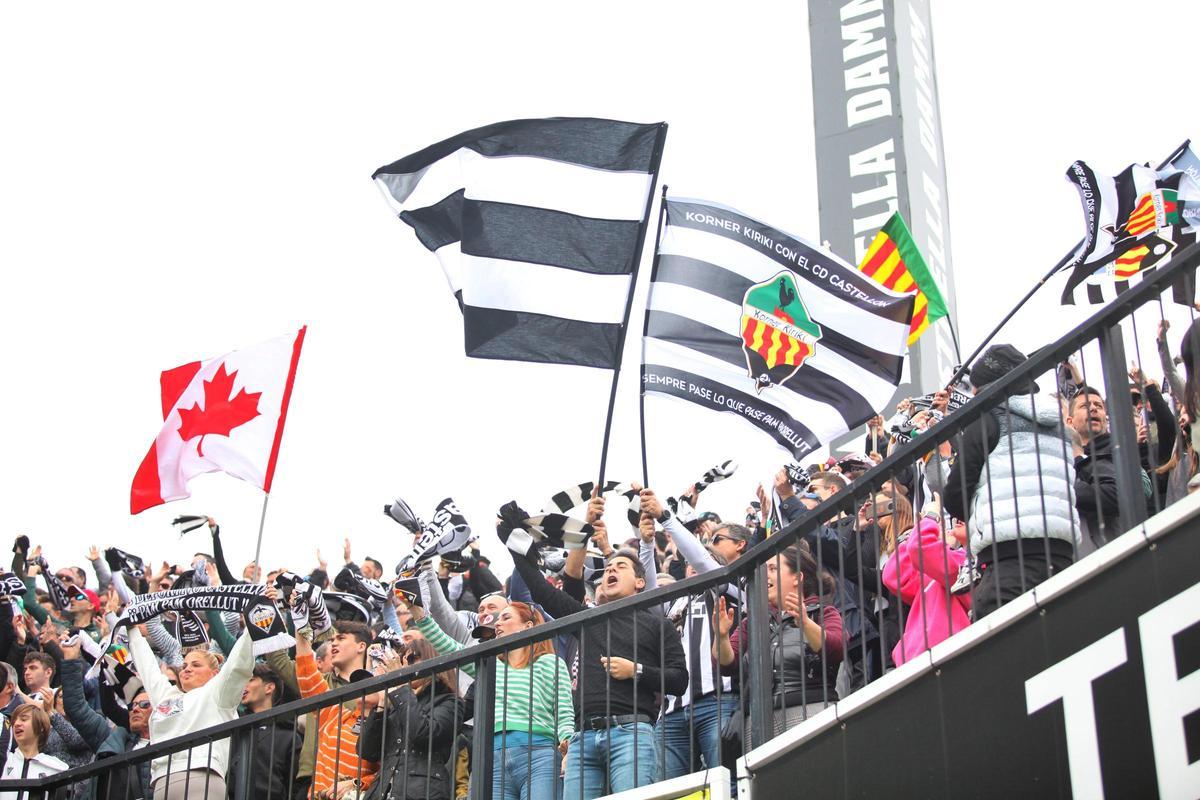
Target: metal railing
pixel 783 667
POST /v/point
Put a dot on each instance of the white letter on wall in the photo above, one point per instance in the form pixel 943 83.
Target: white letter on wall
pixel 1071 681
pixel 1170 697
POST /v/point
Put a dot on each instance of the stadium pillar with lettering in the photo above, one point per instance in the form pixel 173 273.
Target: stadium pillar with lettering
pixel 879 149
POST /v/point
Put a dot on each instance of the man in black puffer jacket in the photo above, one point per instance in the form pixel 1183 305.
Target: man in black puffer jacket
pixel 265 772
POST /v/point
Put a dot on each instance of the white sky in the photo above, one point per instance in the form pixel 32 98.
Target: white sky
pixel 178 182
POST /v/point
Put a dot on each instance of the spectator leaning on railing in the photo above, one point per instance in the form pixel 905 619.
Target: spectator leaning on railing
pixel 1012 485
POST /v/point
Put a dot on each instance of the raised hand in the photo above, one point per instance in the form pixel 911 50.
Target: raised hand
pixel 651 504
pixel 646 527
pixel 722 618
pixel 93 553
pixel 595 506
pixel 346 549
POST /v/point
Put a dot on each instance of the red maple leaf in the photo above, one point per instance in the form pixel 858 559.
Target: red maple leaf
pixel 223 411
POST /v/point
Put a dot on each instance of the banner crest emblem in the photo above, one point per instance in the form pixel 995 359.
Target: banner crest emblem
pixel 777 334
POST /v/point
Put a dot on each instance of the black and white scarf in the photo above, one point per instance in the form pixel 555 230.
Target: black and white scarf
pixel 120 561
pixel 188 629
pixel 60 593
pixel 446 533
pixel 10 584
pixel 188 522
pixel 116 669
pixel 351 581
pixel 263 620
pixel 343 606
pixel 305 601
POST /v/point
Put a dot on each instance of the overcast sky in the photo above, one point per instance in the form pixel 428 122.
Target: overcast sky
pixel 179 181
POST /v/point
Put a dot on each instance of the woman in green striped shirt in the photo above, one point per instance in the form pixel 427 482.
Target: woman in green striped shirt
pixel 535 715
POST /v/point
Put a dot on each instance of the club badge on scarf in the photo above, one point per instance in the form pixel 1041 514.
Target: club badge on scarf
pixel 447 532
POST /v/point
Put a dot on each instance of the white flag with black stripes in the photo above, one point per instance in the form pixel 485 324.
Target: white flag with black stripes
pixel 746 319
pixel 538 225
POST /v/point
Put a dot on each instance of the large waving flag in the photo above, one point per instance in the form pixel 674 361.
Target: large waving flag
pixel 746 319
pixel 538 225
pixel 225 414
pixel 1134 223
pixel 894 261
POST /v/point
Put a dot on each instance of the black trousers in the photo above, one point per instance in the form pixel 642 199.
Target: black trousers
pixel 1009 574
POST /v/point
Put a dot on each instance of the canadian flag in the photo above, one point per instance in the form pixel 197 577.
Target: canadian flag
pixel 225 414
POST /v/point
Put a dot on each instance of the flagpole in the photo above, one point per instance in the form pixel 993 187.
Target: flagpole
pixel 262 521
pixel 662 212
pixel 656 161
pixel 966 364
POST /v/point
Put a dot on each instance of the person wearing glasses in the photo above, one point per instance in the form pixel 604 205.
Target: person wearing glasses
pixel 104 738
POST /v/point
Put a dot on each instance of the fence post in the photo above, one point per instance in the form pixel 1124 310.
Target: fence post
pixel 1126 460
pixel 484 721
pixel 760 662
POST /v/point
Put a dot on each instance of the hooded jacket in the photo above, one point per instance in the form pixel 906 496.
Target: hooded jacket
pixel 921 572
pixel 1011 479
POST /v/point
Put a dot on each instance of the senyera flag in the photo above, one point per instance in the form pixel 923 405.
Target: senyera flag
pixel 225 414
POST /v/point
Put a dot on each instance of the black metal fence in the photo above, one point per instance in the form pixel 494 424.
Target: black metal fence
pixel 848 589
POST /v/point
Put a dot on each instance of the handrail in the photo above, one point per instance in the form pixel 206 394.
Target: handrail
pixel 991 397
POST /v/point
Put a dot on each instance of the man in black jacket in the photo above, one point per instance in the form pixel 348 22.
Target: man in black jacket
pixel 1096 496
pixel 262 758
pixel 626 662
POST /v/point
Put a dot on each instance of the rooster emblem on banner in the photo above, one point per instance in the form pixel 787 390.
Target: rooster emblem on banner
pixel 778 335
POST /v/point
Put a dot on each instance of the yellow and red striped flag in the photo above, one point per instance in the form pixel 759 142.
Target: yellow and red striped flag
pixel 893 261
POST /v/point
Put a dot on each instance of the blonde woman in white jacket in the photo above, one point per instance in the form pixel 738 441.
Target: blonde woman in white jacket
pixel 208 694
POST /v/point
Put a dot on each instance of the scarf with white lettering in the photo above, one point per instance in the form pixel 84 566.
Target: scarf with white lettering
pixel 446 533
pixel 263 620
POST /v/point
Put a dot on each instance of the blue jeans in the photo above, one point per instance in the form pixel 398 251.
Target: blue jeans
pixel 607 759
pixel 528 769
pixel 683 753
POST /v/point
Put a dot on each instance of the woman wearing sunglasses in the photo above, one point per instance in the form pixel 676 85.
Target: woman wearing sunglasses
pixel 535 715
pixel 104 738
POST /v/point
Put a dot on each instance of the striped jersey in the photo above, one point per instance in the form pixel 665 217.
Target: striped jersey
pixel 337 732
pixel 536 700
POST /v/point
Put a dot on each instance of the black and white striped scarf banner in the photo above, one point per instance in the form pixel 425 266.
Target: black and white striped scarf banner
pixel 117 673
pixel 559 529
pixel 263 620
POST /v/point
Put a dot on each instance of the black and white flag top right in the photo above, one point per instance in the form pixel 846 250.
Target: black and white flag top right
pixel 746 319
pixel 538 226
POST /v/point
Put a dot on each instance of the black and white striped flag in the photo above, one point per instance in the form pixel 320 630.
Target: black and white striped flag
pixel 746 319
pixel 538 225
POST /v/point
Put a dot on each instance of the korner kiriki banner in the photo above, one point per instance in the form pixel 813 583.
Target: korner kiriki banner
pixel 1094 694
pixel 749 320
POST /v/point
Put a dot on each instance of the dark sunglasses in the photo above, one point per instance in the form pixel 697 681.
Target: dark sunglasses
pixel 720 536
pixel 143 704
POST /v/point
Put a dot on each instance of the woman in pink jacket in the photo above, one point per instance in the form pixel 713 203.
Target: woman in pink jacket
pixel 921 572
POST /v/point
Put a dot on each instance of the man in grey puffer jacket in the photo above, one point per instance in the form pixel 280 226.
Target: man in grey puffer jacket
pixel 1014 487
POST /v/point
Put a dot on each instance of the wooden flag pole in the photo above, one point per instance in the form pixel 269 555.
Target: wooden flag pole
pixel 262 521
pixel 656 160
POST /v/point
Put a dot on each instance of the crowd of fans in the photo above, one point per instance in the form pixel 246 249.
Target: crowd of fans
pixel 653 692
